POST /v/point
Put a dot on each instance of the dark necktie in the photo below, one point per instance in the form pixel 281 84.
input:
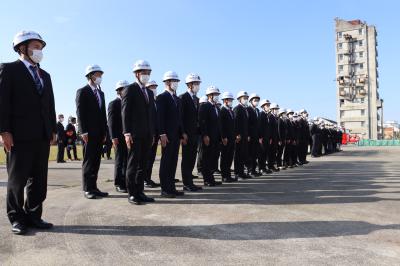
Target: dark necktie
pixel 145 95
pixel 36 79
pixel 194 100
pixel 96 93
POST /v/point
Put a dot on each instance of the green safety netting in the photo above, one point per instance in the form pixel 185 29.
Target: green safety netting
pixel 373 142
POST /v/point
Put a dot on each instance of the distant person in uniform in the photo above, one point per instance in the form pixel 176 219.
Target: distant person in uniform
pixel 27 126
pixel 61 139
pixel 71 138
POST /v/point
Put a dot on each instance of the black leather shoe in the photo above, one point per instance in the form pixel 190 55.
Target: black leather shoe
pixel 167 195
pixel 151 184
pixel 209 184
pixel 18 228
pixel 179 193
pixel 90 195
pixel 144 198
pixel 40 224
pixel 98 193
pixel 228 180
pixel 136 201
pixel 121 189
pixel 190 188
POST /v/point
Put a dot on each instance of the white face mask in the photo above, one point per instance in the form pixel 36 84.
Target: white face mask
pixel 174 85
pixel 195 88
pixel 290 116
pixel 244 101
pixel 37 56
pixel 229 104
pixel 61 120
pixel 144 79
pixel 97 81
pixel 255 103
pixel 215 98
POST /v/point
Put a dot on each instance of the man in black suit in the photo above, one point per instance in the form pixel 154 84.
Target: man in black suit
pixel 137 107
pixel 61 139
pixel 117 138
pixel 148 182
pixel 27 126
pixel 242 135
pixel 265 135
pixel 273 119
pixel 92 120
pixel 226 124
pixel 254 144
pixel 190 124
pixel 170 130
pixel 210 137
pixel 282 137
pixel 304 137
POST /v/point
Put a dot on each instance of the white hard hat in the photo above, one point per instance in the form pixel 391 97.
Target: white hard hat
pixel 282 111
pixel 92 68
pixel 227 95
pixel 289 111
pixel 274 106
pixel 151 83
pixel 141 65
pixel 242 94
pixel 192 77
pixel 170 75
pixel 254 95
pixel 264 102
pixel 303 111
pixel 203 99
pixel 121 84
pixel 24 36
pixel 295 114
pixel 212 90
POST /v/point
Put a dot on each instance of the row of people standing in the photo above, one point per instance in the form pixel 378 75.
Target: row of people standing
pixel 66 139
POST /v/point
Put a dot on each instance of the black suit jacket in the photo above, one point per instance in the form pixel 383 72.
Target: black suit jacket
pixel 282 129
pixel 208 120
pixel 115 119
pixel 137 113
pixel 241 121
pixel 226 124
pixel 71 133
pixel 190 114
pixel 253 122
pixel 91 118
pixel 169 117
pixel 24 113
pixel 60 132
pixel 265 127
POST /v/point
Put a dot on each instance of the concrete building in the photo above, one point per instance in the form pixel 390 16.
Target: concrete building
pixel 359 106
pixel 391 130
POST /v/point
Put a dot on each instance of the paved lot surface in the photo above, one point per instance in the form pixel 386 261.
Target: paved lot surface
pixel 342 209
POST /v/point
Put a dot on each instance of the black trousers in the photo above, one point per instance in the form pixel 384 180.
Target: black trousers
pixel 264 154
pixel 294 153
pixel 281 149
pixel 208 156
pixel 240 158
pixel 121 159
pixel 199 155
pixel 73 148
pixel 27 165
pixel 253 154
pixel 316 144
pixel 273 149
pixel 168 163
pixel 189 153
pixel 217 155
pixel 91 162
pixel 60 151
pixel 227 158
pixel 136 166
pixel 150 162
